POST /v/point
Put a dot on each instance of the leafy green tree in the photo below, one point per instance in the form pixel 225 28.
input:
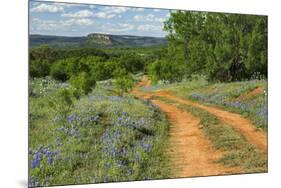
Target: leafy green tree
pixel 132 62
pixel 40 61
pixel 166 70
pixel 83 82
pixel 59 71
pixel 123 81
pixel 39 68
pixel 225 47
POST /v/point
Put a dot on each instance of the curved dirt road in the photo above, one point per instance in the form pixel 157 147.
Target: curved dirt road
pixel 243 125
pixel 190 152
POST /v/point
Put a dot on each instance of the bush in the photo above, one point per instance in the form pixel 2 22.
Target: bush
pixel 62 101
pixel 132 62
pixel 83 82
pixel 41 58
pixel 123 81
pixel 39 68
pixel 58 71
pixel 166 70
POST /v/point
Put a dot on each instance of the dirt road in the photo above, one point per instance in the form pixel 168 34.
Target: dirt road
pixel 190 152
pixel 243 125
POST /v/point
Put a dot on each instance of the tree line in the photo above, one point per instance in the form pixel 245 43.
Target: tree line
pixel 222 47
pixel 83 67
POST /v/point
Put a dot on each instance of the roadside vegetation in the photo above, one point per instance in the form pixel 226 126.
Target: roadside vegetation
pixel 97 138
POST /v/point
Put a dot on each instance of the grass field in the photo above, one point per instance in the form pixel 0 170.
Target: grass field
pixel 99 138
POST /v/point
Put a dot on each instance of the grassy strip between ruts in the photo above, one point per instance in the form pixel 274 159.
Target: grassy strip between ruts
pixel 238 152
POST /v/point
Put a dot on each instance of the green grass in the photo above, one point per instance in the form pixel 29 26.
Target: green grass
pixel 102 138
pixel 238 152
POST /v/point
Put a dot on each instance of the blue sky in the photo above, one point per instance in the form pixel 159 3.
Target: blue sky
pixel 64 19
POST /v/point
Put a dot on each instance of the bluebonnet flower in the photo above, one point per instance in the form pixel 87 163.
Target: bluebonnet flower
pixel 56 152
pixel 119 120
pixel 50 160
pixel 58 141
pixel 146 147
pixel 35 163
pixel 48 153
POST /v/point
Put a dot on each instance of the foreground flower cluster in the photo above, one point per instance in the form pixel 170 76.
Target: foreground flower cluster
pixel 103 138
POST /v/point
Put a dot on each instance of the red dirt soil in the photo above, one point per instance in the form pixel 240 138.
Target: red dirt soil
pixel 251 94
pixel 243 125
pixel 189 150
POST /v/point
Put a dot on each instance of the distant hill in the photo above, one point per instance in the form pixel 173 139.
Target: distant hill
pixel 96 40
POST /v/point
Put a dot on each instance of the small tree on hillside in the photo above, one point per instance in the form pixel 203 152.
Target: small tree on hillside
pixel 83 82
pixel 123 81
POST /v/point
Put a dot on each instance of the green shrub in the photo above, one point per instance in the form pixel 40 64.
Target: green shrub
pixel 132 62
pixel 39 68
pixel 62 101
pixel 123 81
pixel 58 71
pixel 166 70
pixel 83 82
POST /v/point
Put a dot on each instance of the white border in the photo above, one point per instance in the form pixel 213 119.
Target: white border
pixel 13 99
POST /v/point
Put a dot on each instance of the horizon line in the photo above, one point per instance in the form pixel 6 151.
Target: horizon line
pixel 98 33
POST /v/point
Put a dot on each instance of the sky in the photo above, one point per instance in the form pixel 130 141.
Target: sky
pixel 65 19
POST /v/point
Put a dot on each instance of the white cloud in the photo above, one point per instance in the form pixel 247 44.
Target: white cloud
pixel 79 14
pixel 119 10
pixel 78 22
pixel 138 17
pixel 100 15
pixel 148 27
pixel 92 6
pixel 116 10
pixel 148 18
pixel 109 12
pixel 104 15
pixel 56 7
pixel 121 27
pixel 70 5
pixel 53 25
pixel 111 16
pixel 47 8
pixel 160 19
pixel 43 25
